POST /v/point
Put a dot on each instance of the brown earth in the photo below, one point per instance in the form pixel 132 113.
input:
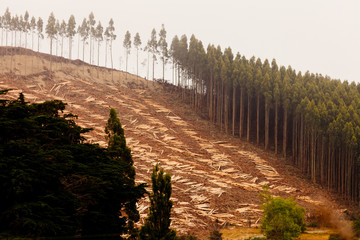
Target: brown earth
pixel 216 178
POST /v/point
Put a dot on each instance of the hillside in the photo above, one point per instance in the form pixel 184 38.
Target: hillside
pixel 216 178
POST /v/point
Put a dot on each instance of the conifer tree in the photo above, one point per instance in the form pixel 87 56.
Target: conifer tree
pixel 157 224
pixel 118 150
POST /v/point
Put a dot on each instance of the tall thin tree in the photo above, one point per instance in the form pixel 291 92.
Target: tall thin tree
pixel 51 32
pixel 163 48
pixel 137 43
pixel 71 33
pixel 152 47
pixel 127 46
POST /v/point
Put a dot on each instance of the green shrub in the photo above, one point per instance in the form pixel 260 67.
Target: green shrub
pixel 283 218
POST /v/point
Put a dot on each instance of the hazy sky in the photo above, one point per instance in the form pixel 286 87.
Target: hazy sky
pixel 322 36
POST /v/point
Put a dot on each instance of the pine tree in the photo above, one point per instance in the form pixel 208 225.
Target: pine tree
pixel 157 224
pixel 118 150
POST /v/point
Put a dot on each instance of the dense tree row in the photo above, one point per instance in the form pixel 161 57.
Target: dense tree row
pixel 312 120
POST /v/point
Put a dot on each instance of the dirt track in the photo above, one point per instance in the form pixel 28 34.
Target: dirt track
pixel 216 178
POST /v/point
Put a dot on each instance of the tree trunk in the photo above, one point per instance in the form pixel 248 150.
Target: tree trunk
pixel 163 69
pixel 233 112
pixel 106 50
pixel 70 46
pixel 267 113
pixel 257 118
pixel 241 121
pixel 211 99
pixel 285 132
pixel 276 125
pixel 248 118
pixel 51 42
pixel 153 68
pixel 137 62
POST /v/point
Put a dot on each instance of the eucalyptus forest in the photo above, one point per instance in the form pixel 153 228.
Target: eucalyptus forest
pixel 311 120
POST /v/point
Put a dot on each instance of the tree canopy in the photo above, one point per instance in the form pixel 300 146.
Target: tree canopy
pixel 52 183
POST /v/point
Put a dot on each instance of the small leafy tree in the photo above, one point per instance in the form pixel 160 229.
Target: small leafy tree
pixel 283 218
pixel 158 221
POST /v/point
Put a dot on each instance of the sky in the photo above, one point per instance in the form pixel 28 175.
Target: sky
pixel 322 36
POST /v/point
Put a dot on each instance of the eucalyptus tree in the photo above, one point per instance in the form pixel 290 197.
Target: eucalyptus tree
pixel 212 66
pixel 127 46
pixel 152 47
pixel 62 32
pixel 70 33
pixel 183 60
pixel 39 28
pixel 78 31
pixel 110 37
pixel 99 38
pixel 26 26
pixel 51 32
pixel 57 27
pixel 173 52
pixel 226 77
pixel 2 30
pixel 7 23
pixel 84 33
pixel 92 33
pixel 32 30
pixel 163 48
pixel 15 26
pixel 275 81
pixel 137 44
